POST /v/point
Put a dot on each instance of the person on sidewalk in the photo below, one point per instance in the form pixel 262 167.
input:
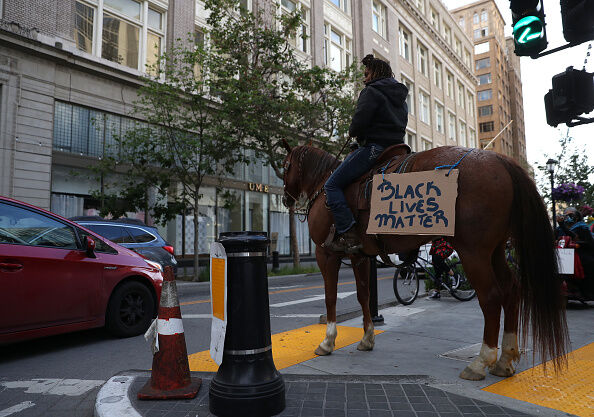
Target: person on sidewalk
pixel 440 251
pixel 379 121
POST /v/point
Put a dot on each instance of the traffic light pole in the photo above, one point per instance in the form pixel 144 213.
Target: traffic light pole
pixel 552 51
pixel 582 121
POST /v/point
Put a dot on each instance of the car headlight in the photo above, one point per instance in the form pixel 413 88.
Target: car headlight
pixel 154 264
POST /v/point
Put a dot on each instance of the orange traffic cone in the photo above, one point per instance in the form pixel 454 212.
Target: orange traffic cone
pixel 170 377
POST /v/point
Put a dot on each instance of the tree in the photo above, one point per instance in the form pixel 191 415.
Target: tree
pixel 269 93
pixel 182 139
pixel 573 167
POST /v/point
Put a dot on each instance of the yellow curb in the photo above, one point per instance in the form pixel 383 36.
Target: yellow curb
pixel 571 390
pixel 291 347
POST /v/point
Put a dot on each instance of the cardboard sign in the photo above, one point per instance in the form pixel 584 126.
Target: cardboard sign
pixel 566 261
pixel 218 301
pixel 415 203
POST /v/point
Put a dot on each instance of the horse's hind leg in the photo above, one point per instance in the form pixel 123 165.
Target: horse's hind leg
pixel 482 277
pixel 329 264
pixel 361 270
pixel 510 353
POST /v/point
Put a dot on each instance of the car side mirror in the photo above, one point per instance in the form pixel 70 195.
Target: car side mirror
pixel 90 247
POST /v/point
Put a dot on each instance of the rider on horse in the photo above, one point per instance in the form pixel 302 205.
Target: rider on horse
pixel 379 121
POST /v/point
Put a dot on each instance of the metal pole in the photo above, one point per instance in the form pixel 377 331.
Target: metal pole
pixel 553 200
pixel 375 317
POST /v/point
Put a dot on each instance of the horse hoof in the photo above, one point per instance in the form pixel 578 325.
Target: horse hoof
pixel 365 346
pixel 502 370
pixel 320 351
pixel 471 375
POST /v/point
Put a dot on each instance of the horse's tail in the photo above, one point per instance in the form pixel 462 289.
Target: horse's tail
pixel 542 308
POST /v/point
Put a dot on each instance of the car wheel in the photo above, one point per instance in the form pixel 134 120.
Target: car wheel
pixel 130 310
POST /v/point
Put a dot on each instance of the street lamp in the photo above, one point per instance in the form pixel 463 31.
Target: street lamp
pixel 551 168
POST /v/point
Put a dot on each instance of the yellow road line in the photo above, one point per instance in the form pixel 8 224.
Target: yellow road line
pixel 207 300
pixel 571 390
pixel 291 347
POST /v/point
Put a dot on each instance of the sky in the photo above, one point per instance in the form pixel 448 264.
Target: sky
pixel 541 139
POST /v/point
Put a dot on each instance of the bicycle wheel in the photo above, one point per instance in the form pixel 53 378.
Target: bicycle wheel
pixel 406 285
pixel 461 290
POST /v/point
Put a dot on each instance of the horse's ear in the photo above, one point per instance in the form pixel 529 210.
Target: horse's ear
pixel 286 145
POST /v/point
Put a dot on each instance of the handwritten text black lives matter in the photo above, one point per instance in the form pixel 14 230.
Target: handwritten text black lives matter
pixel 415 203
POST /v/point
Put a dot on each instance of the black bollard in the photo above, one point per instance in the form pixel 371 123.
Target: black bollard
pixel 275 264
pixel 247 382
pixel 375 317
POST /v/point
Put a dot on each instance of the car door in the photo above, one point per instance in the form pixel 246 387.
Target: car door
pixel 46 277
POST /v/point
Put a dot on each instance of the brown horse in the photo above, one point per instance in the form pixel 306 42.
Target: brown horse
pixel 496 200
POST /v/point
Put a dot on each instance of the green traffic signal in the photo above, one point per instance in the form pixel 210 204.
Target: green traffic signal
pixel 527 29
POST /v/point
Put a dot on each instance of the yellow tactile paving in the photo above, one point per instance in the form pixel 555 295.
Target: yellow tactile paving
pixel 572 390
pixel 291 347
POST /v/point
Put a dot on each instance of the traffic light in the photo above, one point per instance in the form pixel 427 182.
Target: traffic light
pixel 572 95
pixel 578 20
pixel 530 36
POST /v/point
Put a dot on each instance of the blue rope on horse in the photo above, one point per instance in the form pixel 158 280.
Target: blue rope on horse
pixel 451 167
pixel 383 170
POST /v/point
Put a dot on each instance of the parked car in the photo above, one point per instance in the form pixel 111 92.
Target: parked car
pixel 59 277
pixel 132 234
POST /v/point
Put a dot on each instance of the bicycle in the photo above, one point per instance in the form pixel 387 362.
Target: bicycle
pixel 406 281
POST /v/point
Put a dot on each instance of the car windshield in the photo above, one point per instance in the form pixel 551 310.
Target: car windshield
pixel 116 234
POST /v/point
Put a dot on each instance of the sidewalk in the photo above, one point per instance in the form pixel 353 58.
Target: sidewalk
pixel 412 371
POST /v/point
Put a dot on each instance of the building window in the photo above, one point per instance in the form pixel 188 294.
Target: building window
pixel 475 18
pixel 451 126
pixel 437 73
pixel 337 49
pixel 426 144
pixel 484 32
pixel 485 110
pixel 485 95
pixel 461 21
pixel 404 43
pixel 424 111
pixel 470 104
pixel 467 57
pixel 422 60
pixel 410 98
pixel 471 138
pixel 411 140
pixel 342 5
pixel 420 5
pixel 450 84
pixel 484 79
pixel 486 127
pixel 300 38
pixel 435 19
pixel 439 122
pixel 460 95
pixel 483 63
pixel 476 33
pixel 484 16
pixel 132 32
pixel 447 34
pixel 83 27
pixel 481 48
pixel 462 133
pixel 457 46
pixel 378 18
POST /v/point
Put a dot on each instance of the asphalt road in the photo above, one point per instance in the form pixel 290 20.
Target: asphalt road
pixel 61 375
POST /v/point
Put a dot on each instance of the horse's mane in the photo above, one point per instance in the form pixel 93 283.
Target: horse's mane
pixel 317 163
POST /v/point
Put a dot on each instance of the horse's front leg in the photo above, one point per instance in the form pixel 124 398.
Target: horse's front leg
pixel 361 269
pixel 329 264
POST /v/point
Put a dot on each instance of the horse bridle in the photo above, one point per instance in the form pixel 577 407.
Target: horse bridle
pixel 310 200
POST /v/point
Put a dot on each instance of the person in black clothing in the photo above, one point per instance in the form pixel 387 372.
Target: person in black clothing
pixel 440 251
pixel 379 121
pixel 571 224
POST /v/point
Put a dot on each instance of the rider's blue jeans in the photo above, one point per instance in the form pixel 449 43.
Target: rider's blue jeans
pixel 356 164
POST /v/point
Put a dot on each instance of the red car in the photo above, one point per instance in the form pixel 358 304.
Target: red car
pixel 59 277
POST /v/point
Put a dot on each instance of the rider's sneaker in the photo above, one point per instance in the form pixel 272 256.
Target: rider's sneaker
pixel 435 295
pixel 347 242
